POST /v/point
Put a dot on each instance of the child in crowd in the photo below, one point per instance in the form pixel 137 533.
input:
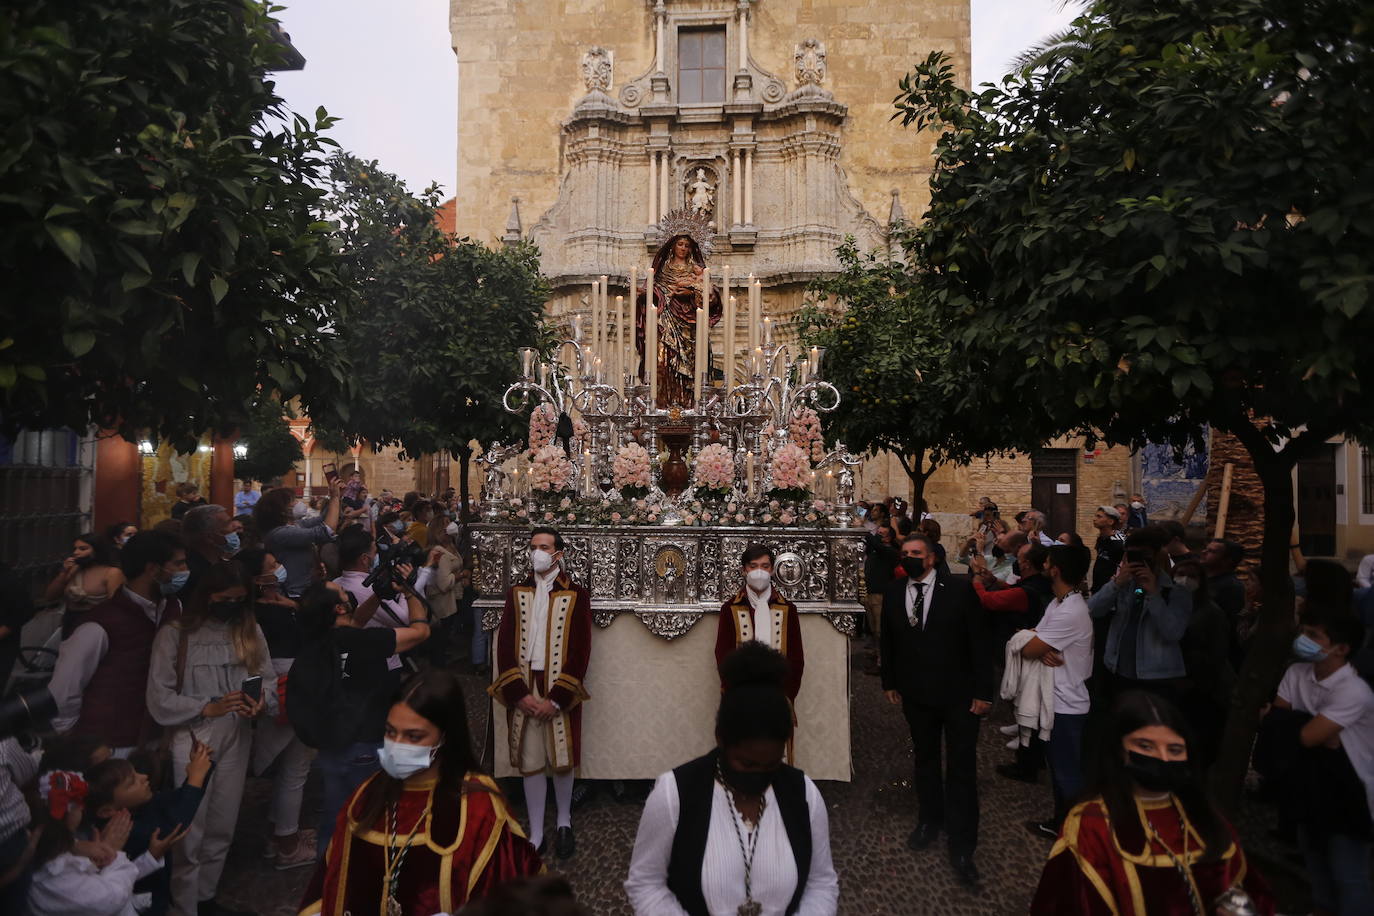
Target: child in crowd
pixel 66 883
pixel 116 786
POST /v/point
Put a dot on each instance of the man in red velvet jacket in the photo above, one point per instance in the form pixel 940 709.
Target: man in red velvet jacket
pixel 759 611
pixel 543 646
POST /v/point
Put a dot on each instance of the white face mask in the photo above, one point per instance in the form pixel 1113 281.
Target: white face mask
pixel 758 579
pixel 401 761
pixel 1137 505
pixel 541 561
pixel 452 529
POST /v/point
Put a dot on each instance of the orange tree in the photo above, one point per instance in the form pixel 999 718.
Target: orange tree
pixel 161 237
pixel 1169 224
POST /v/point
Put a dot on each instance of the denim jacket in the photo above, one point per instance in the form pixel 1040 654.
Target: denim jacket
pixel 1162 625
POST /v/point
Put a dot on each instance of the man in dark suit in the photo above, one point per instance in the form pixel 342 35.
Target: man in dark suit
pixel 936 664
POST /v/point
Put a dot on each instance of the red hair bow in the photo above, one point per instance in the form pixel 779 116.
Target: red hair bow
pixel 61 789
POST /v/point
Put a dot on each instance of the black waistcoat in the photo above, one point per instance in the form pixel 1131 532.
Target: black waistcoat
pixel 695 792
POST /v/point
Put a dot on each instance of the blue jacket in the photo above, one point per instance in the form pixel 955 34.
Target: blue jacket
pixel 1162 625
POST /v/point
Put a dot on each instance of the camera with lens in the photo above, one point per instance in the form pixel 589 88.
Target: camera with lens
pixel 391 554
pixel 26 712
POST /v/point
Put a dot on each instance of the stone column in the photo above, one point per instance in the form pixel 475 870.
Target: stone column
pixel 743 35
pixel 661 23
pixel 749 187
pixel 651 216
pixel 664 177
pixel 736 176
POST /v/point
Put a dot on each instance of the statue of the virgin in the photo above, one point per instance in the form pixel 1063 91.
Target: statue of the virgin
pixel 678 265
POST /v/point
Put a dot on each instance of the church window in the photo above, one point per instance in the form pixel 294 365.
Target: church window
pixel 701 65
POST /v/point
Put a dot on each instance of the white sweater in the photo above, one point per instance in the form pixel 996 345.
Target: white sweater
pixel 72 885
pixel 1030 684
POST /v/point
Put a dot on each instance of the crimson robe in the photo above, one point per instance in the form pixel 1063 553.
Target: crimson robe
pixel 1088 872
pixel 567 652
pixel 736 626
pixel 467 846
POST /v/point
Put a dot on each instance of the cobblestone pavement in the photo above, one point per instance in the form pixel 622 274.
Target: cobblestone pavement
pixel 870 818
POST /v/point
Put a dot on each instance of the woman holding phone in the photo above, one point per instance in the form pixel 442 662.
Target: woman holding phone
pixel 210 677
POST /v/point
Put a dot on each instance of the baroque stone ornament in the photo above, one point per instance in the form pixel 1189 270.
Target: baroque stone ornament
pixel 598 69
pixel 810 61
pixel 843 622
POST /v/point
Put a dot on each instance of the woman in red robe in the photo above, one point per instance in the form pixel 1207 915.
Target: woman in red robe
pixel 676 294
pixel 1148 840
pixel 430 832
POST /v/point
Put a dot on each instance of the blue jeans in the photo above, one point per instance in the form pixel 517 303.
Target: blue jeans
pixel 1338 867
pixel 14 896
pixel 1065 756
pixel 342 772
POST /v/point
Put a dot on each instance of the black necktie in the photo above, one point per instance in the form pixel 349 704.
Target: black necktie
pixel 918 606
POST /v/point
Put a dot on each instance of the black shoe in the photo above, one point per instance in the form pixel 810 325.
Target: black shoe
pixel 964 870
pixel 1012 771
pixel 543 848
pixel 215 908
pixel 1044 829
pixel 563 843
pixel 581 794
pixel 923 836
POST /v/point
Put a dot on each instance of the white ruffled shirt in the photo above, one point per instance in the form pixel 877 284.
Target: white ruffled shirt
pixel 72 885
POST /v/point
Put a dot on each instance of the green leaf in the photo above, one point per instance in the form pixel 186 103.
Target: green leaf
pixel 189 262
pixel 78 343
pixel 68 240
pixel 35 373
pixel 218 287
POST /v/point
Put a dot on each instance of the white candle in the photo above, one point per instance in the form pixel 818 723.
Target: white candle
pixel 543 375
pixel 597 364
pixel 758 361
pixel 749 474
pixel 577 327
pixel 596 316
pixel 768 332
pixel 634 320
pixel 700 353
pixel 755 312
pixel 650 317
pixel 729 345
pixel 526 361
pixel 725 302
pixel 619 380
pixel 651 340
pixel 605 319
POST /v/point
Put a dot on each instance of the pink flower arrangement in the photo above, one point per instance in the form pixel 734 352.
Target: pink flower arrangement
pixel 805 430
pixel 543 423
pixel 791 468
pixel 550 470
pixel 715 469
pixel 630 469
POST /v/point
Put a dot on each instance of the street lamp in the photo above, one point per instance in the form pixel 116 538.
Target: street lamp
pixel 240 450
pixel 145 448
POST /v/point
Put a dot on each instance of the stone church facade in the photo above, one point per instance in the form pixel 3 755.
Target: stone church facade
pixel 581 122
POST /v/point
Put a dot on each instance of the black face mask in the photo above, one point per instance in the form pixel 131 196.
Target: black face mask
pixel 998 552
pixel 1158 775
pixel 751 783
pixel 87 561
pixel 915 569
pixel 226 610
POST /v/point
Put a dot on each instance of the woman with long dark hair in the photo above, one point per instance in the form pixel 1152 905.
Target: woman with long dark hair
pixel 431 831
pixel 274 739
pixel 210 676
pixel 737 830
pixel 1148 839
pixel 89 576
pixel 676 294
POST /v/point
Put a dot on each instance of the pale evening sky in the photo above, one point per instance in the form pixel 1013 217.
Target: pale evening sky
pixel 387 69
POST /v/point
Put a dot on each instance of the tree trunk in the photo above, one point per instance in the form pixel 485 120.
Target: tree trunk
pixel 919 475
pixel 1268 649
pixel 463 453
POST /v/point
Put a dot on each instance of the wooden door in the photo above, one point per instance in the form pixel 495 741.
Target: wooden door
pixel 1317 503
pixel 1054 488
